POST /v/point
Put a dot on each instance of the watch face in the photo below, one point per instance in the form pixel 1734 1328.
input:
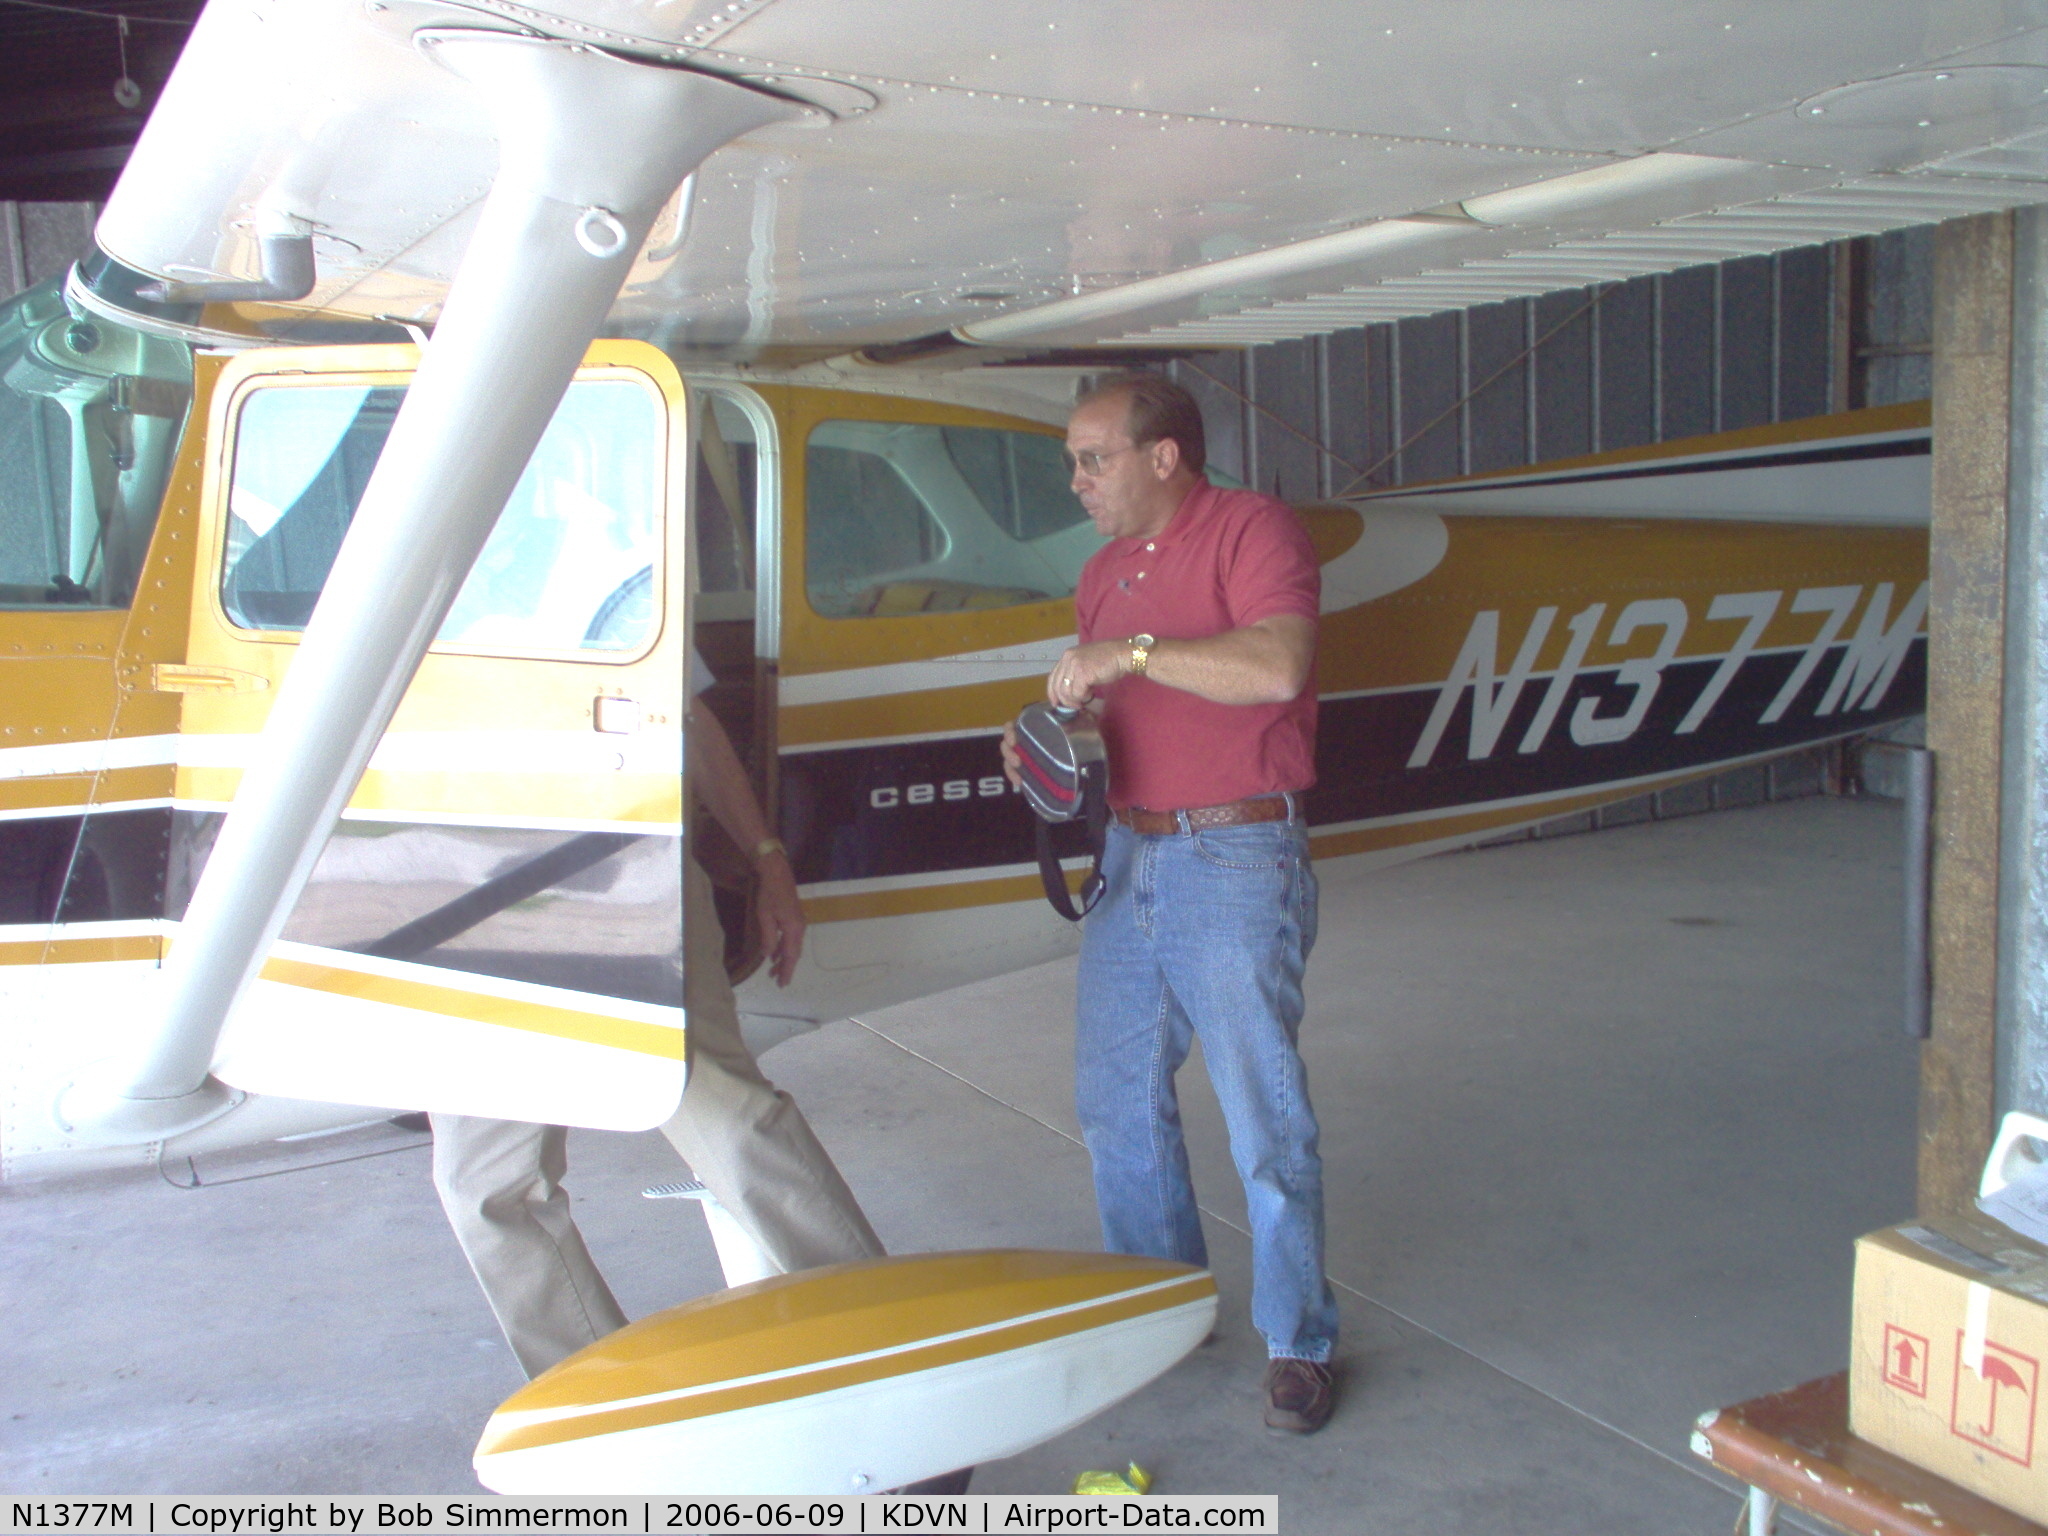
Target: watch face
pixel 1144 640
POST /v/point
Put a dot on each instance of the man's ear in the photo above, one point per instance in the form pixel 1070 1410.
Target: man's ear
pixel 1165 457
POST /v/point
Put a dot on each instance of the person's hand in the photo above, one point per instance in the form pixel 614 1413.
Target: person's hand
pixel 1013 761
pixel 781 915
pixel 1084 669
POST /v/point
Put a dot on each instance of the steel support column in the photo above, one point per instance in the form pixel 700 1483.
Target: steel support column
pixel 1973 337
pixel 2022 1081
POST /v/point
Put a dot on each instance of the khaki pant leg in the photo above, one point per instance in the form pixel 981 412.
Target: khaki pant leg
pixel 500 1181
pixel 743 1136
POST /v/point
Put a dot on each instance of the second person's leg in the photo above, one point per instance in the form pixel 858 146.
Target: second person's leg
pixel 743 1136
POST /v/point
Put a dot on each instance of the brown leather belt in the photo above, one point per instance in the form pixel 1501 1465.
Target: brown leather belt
pixel 1239 813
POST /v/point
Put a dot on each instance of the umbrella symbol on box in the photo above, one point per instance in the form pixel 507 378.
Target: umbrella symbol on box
pixel 1982 1378
pixel 1999 1374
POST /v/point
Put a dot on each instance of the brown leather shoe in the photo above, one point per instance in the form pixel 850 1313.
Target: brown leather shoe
pixel 1299 1396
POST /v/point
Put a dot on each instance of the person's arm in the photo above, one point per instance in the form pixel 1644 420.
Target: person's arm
pixel 1265 662
pixel 721 784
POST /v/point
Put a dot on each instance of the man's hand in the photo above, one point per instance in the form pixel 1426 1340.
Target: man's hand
pixel 1268 661
pixel 1013 761
pixel 1084 669
pixel 721 783
pixel 781 915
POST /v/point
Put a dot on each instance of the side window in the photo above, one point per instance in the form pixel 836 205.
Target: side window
pixel 572 562
pixel 571 565
pixel 905 518
pixel 302 460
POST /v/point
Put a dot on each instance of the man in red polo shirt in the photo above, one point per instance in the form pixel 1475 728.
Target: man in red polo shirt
pixel 1198 632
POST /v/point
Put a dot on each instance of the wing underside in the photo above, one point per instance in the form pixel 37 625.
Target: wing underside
pixel 1156 174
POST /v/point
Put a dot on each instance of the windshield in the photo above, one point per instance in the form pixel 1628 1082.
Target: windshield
pixel 90 414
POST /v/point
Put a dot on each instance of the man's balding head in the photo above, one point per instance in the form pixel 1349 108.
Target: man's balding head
pixel 1159 410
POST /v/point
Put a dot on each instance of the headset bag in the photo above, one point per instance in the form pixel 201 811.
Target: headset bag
pixel 1065 776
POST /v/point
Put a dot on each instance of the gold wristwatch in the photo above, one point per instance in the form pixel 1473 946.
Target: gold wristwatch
pixel 1141 653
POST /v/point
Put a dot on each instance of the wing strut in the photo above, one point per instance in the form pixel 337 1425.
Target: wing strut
pixel 591 145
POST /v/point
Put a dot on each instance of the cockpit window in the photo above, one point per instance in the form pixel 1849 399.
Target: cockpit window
pixel 90 414
pixel 571 565
pixel 906 517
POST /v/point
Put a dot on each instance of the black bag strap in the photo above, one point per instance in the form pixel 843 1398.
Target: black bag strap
pixel 1095 804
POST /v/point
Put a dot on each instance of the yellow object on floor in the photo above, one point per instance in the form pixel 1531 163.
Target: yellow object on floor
pixel 1124 1485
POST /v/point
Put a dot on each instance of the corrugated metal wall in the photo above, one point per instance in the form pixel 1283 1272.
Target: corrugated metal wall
pixel 39 240
pixel 1706 349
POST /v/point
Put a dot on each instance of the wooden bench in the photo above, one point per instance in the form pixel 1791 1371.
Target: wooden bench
pixel 1795 1448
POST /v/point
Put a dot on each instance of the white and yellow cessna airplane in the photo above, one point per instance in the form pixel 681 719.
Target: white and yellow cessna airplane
pixel 341 740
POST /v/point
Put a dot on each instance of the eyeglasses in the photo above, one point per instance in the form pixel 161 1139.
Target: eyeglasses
pixel 1090 462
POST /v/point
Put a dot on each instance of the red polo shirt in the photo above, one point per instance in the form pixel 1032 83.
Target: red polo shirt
pixel 1227 559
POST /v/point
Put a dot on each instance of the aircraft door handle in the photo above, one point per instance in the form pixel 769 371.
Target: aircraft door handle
pixel 181 677
pixel 615 716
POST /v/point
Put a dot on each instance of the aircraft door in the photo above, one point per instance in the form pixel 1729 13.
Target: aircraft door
pixel 495 925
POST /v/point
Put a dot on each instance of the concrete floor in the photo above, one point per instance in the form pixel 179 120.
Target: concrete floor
pixel 1601 1118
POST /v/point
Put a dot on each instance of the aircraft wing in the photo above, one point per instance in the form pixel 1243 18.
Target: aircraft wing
pixel 907 179
pixel 1177 173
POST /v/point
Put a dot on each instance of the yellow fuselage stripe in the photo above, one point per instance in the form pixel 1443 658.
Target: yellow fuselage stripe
pixel 507 1012
pixel 82 791
pixel 142 946
pixel 1400 834
pixel 951 895
pixel 1911 415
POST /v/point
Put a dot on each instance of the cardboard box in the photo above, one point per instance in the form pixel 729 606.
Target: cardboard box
pixel 1947 1350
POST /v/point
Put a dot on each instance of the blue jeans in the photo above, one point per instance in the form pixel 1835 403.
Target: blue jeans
pixel 1204 936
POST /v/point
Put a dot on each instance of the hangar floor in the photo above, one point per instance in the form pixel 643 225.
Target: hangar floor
pixel 1601 1118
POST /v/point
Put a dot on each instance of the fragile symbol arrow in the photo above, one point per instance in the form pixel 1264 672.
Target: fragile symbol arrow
pixel 1906 1358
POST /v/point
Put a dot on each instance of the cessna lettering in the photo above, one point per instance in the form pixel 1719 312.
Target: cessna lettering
pixel 890 796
